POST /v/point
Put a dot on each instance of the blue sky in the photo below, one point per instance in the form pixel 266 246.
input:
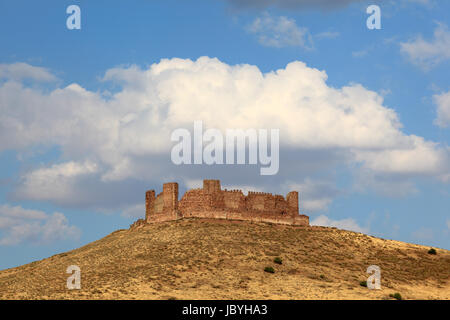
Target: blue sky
pixel 84 133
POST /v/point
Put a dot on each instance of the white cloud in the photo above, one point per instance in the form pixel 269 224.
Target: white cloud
pixel 55 182
pixel 415 156
pixel 20 71
pixel 19 225
pixel 127 136
pixel 134 211
pixel 345 224
pixel 443 109
pixel 18 212
pixel 315 195
pixel 280 32
pixel 428 54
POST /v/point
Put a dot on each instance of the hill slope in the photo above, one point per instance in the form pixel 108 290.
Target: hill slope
pixel 214 259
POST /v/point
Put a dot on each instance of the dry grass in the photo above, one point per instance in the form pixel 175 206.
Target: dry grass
pixel 213 259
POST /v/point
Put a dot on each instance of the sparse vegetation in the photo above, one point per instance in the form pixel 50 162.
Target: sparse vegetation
pixel 432 251
pixel 363 283
pixel 278 260
pixel 204 259
pixel 269 269
pixel 396 296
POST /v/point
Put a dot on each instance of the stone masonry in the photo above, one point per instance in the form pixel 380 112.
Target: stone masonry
pixel 213 202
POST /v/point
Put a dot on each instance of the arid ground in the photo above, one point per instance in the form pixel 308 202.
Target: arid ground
pixel 218 259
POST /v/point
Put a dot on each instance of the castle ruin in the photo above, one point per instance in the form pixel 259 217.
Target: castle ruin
pixel 213 202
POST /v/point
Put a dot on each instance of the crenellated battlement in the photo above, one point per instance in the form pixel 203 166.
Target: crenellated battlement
pixel 234 191
pixel 213 202
pixel 260 193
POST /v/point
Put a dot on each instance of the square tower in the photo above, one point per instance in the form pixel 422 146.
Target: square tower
pixel 170 196
pixel 149 203
pixel 211 186
pixel 292 202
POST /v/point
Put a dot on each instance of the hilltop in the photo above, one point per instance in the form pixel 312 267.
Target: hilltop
pixel 221 259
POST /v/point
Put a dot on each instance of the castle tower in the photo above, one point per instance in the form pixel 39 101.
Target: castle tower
pixel 292 201
pixel 211 186
pixel 212 202
pixel 149 203
pixel 170 196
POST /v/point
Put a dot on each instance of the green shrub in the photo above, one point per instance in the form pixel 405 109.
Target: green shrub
pixel 432 251
pixel 396 295
pixel 363 284
pixel 269 270
pixel 322 276
pixel 278 260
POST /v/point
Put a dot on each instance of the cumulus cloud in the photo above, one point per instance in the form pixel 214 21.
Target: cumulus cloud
pixel 17 212
pixel 442 102
pixel 428 54
pixel 80 185
pixel 111 145
pixel 416 156
pixel 280 32
pixel 55 182
pixel 21 71
pixel 345 224
pixel 19 225
pixel 315 195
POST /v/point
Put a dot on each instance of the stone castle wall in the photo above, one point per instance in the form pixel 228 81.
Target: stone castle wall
pixel 213 202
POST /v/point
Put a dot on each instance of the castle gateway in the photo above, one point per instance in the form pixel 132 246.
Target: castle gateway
pixel 213 202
